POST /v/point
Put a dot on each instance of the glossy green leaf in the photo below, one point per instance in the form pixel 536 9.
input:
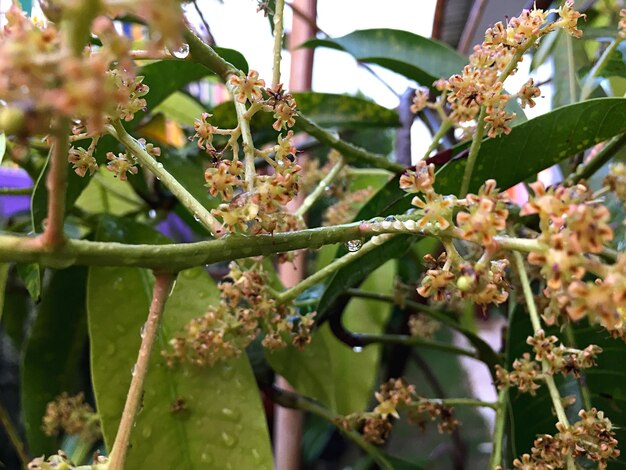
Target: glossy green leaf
pixel 165 77
pixel 107 194
pixel 539 143
pixel 326 109
pixel 355 372
pixel 224 423
pixel 53 352
pixel 307 370
pixel 181 108
pixel 30 274
pixel 416 57
pixel 560 58
pixel 330 371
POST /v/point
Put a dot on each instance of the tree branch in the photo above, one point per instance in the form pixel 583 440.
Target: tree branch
pixel 160 293
pixel 56 184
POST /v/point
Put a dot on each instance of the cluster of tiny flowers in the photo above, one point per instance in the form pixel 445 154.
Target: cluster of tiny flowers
pixel 71 415
pixel 251 88
pixel 61 461
pixel 246 308
pixel 260 209
pixel 422 326
pixel 482 218
pixel 527 371
pixel 480 85
pixel 591 438
pixel 42 79
pixel 575 226
pixel 393 396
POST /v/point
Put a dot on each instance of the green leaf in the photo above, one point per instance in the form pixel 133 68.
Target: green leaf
pixel 224 424
pixel 165 77
pixel 107 194
pixel 330 371
pixel 180 107
pixel 31 277
pixel 538 144
pixel 53 352
pixel 416 57
pixel 326 109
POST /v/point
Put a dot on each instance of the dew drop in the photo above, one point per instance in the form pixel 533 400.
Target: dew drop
pixel 142 330
pixel 206 457
pixel 133 369
pixel 159 165
pixel 182 52
pixel 196 217
pixel 231 414
pixel 357 349
pixel 329 190
pixel 227 372
pixel 229 439
pixel 146 431
pixel 152 214
pixel 353 245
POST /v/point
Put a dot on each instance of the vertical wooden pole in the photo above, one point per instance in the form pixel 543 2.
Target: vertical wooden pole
pixel 288 423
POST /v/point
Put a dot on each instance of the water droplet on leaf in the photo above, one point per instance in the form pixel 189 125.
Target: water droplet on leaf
pixel 353 245
pixel 182 52
pixel 231 414
pixel 357 349
pixel 229 439
pixel 146 431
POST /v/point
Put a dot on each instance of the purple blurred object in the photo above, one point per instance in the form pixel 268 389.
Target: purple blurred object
pixel 14 178
pixel 175 228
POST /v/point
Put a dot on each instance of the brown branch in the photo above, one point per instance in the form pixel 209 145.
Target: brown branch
pixel 162 287
pixel 56 183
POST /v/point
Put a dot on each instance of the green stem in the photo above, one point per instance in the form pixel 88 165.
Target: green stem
pixel 589 83
pixel 477 141
pixel 299 402
pixel 445 127
pixel 319 190
pixel 176 257
pixel 248 143
pixel 480 121
pixel 16 191
pixel 178 190
pixel 81 451
pixel 407 340
pixel 350 152
pixel 278 40
pixel 290 294
pixel 14 437
pixel 535 320
pixel 498 432
pixel 467 402
pixel 163 285
pixel 571 66
pixel 587 169
pixel 368 172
